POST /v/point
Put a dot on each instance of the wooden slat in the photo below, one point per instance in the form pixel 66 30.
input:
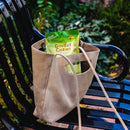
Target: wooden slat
pixel 115 87
pixel 116 95
pixel 16 42
pixel 13 60
pixel 105 103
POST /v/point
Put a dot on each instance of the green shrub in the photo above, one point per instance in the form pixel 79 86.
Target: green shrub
pixel 103 21
pixel 116 14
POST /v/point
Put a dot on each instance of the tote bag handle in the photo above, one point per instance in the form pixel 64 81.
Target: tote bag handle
pixel 77 88
pixel 103 89
pixel 100 83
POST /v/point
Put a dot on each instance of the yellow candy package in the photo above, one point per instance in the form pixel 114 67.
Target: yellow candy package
pixel 64 42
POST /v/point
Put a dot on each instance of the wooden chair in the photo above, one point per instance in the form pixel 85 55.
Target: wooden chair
pixel 17 34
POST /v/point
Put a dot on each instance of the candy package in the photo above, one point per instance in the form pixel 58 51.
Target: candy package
pixel 64 42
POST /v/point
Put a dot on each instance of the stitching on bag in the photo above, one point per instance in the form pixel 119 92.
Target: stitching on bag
pixel 46 83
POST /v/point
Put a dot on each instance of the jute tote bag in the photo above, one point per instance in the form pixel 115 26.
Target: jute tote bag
pixel 57 92
pixel 54 88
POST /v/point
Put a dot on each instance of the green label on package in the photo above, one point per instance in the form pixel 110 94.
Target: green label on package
pixel 64 42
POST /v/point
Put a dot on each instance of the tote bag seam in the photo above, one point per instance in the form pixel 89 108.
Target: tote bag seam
pixel 46 83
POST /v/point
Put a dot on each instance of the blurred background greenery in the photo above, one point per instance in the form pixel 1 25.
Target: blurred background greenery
pixel 101 21
pixel 98 21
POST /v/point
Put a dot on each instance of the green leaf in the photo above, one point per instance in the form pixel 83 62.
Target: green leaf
pixel 40 2
pixel 40 5
pixel 115 56
pixel 1 39
pixel 49 3
pixel 4 107
pixel 106 60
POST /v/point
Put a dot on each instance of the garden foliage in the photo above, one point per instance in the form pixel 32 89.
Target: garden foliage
pixel 102 21
pixel 98 21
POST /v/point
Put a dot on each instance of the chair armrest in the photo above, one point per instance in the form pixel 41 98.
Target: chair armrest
pixel 40 35
pixel 124 58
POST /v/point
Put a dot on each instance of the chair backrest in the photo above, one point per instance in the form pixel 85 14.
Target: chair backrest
pixel 17 34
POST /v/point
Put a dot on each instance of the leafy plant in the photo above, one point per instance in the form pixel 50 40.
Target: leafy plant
pixel 109 63
pixel 45 16
pixel 10 92
pixel 117 18
pixel 93 31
